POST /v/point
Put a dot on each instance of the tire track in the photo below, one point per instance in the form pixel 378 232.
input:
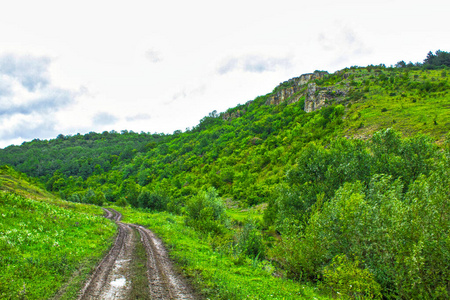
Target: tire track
pixel 111 279
pixel 97 281
pixel 164 281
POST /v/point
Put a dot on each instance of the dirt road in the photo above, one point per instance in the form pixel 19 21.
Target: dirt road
pixel 117 276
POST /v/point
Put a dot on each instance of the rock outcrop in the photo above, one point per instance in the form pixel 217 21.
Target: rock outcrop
pixel 295 85
pixel 318 97
pixel 294 89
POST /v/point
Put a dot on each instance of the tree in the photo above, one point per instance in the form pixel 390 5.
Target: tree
pixel 154 200
pixel 440 58
pixel 206 211
pixel 400 64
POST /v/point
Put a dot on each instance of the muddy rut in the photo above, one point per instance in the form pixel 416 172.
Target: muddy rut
pixel 114 277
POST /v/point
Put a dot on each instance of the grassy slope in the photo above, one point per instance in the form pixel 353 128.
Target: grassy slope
pixel 410 102
pixel 46 244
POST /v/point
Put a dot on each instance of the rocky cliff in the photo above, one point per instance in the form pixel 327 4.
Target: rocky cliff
pixel 296 88
pixel 293 89
pixel 318 97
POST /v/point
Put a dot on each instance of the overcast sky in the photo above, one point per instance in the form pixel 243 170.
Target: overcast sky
pixel 159 66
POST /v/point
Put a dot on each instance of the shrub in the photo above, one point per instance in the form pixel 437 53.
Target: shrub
pixel 345 277
pixel 206 211
pixel 154 200
pixel 122 202
pixel 249 241
pixel 402 238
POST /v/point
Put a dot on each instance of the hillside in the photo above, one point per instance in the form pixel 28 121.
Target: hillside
pixel 245 151
pixel 340 181
pixel 47 246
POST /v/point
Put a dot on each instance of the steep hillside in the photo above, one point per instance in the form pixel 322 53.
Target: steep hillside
pixel 15 182
pixel 246 151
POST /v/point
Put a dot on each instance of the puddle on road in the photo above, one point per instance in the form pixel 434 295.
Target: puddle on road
pixel 120 282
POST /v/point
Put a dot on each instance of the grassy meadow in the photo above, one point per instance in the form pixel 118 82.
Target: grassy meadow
pixel 46 245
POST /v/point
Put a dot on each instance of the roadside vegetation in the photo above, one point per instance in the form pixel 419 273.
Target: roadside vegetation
pixel 219 269
pixel 46 247
pixel 267 201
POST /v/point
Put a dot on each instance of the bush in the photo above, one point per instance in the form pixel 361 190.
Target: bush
pixel 346 278
pixel 206 211
pixel 122 202
pixel 154 200
pixel 249 241
pixel 402 238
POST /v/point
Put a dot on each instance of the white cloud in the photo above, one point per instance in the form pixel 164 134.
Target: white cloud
pixel 28 99
pixel 24 128
pixel 31 72
pixel 104 118
pixel 186 93
pixel 342 44
pixel 153 56
pixel 204 56
pixel 138 117
pixel 254 63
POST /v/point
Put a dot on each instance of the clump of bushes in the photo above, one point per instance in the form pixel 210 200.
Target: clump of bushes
pixel 154 200
pixel 383 204
pixel 249 241
pixel 344 277
pixel 206 212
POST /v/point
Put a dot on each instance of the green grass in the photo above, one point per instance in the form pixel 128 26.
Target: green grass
pixel 47 246
pixel 242 215
pixel 139 282
pixel 19 183
pixel 401 107
pixel 215 274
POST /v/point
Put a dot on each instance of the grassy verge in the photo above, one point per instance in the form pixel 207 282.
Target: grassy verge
pixel 216 275
pixel 240 215
pixel 139 288
pixel 46 247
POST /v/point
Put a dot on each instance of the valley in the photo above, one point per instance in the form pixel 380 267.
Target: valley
pixel 333 185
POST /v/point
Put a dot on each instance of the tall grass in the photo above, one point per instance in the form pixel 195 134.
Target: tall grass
pixel 43 246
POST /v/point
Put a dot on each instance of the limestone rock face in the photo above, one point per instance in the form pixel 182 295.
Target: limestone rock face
pixel 318 97
pixel 292 90
pixel 282 95
pixel 296 84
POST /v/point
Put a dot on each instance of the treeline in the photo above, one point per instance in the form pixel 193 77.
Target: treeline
pixel 438 60
pixel 78 155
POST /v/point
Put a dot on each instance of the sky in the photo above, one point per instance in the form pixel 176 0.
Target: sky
pixel 69 67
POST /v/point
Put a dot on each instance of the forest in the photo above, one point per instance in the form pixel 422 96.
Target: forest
pixel 352 198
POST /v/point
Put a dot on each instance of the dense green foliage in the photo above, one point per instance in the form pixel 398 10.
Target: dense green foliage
pixel 355 195
pixel 243 152
pixel 383 203
pixel 77 156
